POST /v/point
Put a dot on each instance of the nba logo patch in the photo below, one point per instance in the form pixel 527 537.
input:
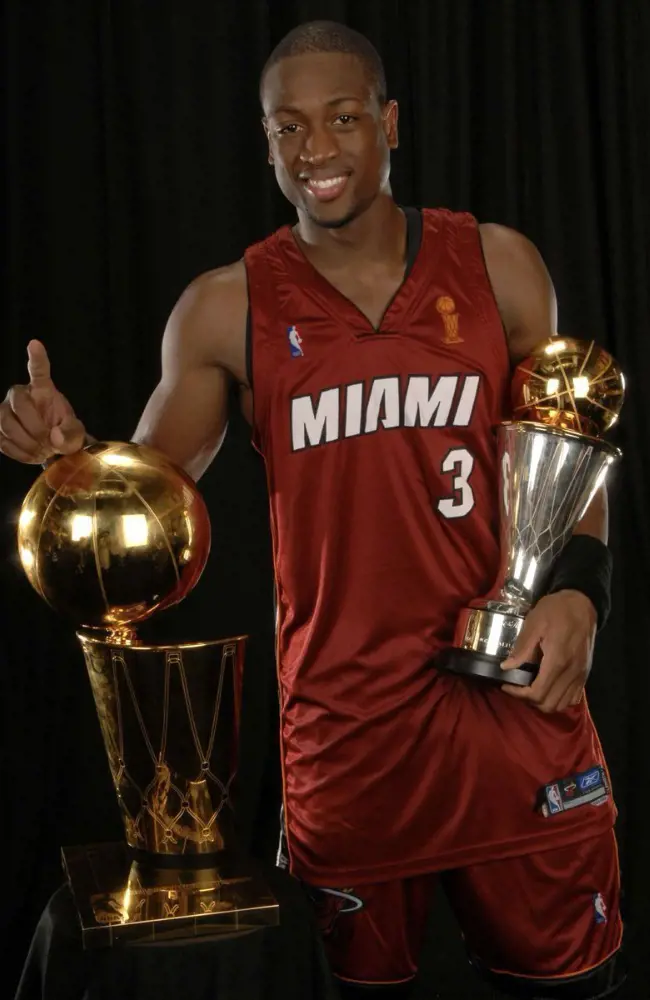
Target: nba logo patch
pixel 295 342
pixel 600 910
pixel 554 798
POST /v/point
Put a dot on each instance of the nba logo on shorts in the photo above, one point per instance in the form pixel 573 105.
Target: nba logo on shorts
pixel 600 910
pixel 295 342
pixel 554 798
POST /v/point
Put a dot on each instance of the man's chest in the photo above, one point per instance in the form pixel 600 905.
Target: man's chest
pixel 331 384
pixel 368 293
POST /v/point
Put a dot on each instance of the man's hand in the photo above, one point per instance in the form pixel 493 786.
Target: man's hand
pixel 36 420
pixel 562 627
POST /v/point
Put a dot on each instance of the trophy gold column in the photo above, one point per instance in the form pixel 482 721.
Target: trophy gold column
pixel 108 537
pixel 552 459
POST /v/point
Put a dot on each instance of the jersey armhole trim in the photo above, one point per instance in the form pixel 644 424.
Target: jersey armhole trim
pixel 258 283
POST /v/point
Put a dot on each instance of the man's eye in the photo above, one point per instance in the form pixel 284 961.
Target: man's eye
pixel 289 129
pixel 345 119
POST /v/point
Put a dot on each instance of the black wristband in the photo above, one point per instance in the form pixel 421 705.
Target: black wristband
pixel 585 564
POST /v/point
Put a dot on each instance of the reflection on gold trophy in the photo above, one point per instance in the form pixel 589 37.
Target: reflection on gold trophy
pixel 552 460
pixel 108 537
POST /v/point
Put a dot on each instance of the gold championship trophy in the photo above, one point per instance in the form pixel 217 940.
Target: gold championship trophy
pixel 552 460
pixel 108 537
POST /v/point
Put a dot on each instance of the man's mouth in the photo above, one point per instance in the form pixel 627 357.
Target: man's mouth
pixel 327 188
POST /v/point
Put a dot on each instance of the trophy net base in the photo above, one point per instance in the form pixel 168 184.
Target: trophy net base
pixel 121 901
pixel 471 663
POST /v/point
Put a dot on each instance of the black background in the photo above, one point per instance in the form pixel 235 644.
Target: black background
pixel 134 160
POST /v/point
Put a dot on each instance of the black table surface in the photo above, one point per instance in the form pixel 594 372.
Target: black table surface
pixel 286 962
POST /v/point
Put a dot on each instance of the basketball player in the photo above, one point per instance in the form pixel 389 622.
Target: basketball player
pixel 376 343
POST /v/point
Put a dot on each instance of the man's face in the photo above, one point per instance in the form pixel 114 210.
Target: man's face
pixel 329 137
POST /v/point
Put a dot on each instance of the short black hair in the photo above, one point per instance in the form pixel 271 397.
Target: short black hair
pixel 330 36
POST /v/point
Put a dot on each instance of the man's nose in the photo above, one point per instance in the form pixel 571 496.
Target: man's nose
pixel 319 147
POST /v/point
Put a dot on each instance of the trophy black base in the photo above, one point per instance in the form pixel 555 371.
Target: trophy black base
pixel 469 663
pixel 120 900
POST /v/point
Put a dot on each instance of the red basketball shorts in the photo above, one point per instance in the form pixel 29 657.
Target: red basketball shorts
pixel 541 916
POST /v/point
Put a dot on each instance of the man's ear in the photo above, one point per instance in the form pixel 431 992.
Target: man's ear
pixel 390 116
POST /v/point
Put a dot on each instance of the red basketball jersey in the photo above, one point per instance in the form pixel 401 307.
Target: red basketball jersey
pixel 380 454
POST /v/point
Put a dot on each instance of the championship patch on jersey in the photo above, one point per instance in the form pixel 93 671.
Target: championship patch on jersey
pixel 586 788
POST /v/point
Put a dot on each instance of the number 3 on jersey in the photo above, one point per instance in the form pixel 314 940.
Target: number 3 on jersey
pixel 458 463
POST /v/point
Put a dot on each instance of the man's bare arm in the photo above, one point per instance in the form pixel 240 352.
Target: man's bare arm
pixel 522 287
pixel 187 414
pixel 561 628
pixel 204 346
pixel 527 302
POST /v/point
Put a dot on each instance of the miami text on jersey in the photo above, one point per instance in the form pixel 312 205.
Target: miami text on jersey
pixel 364 407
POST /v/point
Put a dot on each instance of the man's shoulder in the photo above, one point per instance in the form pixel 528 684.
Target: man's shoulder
pixel 522 287
pixel 229 284
pixel 509 255
pixel 494 235
pixel 225 285
pixel 505 240
pixel 209 319
pixel 220 293
pixel 214 306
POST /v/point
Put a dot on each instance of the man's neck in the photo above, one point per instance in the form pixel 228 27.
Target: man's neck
pixel 376 236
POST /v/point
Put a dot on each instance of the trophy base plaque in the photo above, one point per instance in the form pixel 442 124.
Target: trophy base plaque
pixel 470 663
pixel 485 635
pixel 123 901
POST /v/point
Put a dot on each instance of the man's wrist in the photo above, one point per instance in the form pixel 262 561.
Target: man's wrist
pixel 585 565
pixel 579 595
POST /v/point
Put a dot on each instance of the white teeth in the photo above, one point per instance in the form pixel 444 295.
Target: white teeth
pixel 324 185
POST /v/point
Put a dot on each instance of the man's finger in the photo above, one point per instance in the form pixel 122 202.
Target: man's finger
pixel 542 684
pixel 38 366
pixel 12 450
pixel 26 415
pixel 558 695
pixel 568 698
pixel 516 691
pixel 68 436
pixel 12 429
pixel 579 695
pixel 551 670
pixel 576 693
pixel 525 649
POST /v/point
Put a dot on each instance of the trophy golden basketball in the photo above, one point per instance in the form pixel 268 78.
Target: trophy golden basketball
pixel 552 459
pixel 108 537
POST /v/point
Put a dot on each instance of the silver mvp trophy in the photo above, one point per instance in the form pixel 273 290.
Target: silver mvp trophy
pixel 552 461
